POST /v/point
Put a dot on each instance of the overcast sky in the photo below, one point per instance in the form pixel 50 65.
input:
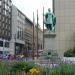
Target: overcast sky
pixel 30 6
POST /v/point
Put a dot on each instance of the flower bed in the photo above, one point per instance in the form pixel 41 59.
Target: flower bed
pixel 29 68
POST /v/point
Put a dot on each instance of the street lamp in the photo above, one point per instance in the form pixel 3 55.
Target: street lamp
pixel 15 42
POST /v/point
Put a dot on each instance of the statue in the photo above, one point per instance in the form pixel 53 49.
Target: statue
pixel 50 20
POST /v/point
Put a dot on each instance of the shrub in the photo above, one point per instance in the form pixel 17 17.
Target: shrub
pixel 64 69
pixel 21 66
pixel 17 68
pixel 70 53
pixel 4 68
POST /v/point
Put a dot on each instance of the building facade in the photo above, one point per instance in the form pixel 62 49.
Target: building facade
pixel 16 30
pixel 18 24
pixel 5 24
pixel 65 25
pixel 22 33
pixel 29 37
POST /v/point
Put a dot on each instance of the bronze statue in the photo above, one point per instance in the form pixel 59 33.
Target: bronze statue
pixel 50 20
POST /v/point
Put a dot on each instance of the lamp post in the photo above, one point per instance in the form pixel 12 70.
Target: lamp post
pixel 15 42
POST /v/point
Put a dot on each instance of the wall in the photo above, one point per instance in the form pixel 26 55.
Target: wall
pixel 65 25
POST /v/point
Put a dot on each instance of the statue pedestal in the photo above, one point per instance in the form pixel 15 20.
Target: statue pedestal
pixel 49 40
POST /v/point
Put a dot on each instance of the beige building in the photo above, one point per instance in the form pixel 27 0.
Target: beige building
pixel 17 41
pixel 28 33
pixel 29 37
pixel 22 28
pixel 65 25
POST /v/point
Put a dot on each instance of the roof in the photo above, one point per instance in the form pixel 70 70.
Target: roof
pixel 26 18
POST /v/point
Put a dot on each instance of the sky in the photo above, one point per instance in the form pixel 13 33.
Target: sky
pixel 30 6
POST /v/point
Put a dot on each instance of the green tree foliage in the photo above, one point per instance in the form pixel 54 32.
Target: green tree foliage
pixel 70 53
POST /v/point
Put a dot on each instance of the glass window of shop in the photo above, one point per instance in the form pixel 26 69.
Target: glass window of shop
pixel 6 44
pixel 1 43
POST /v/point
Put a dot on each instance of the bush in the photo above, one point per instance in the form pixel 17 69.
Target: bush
pixel 64 69
pixel 21 66
pixel 4 68
pixel 18 68
pixel 70 53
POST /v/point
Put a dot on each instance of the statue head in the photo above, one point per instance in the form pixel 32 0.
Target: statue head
pixel 49 9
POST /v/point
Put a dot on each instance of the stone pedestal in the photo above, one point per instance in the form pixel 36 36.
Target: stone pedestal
pixel 49 40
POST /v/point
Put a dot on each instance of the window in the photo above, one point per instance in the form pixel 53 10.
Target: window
pixel 6 26
pixel 9 34
pixel 6 33
pixel 0 17
pixel 0 9
pixel 1 52
pixel 6 44
pixel 18 35
pixel 0 23
pixel 0 3
pixel 9 27
pixel 9 9
pixel 4 12
pixel 3 32
pixel 3 25
pixel 9 21
pixel 3 18
pixel 6 7
pixel 6 20
pixel 1 43
pixel 9 3
pixel 9 16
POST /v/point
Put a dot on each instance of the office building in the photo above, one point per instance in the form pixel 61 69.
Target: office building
pixel 5 25
pixel 18 24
